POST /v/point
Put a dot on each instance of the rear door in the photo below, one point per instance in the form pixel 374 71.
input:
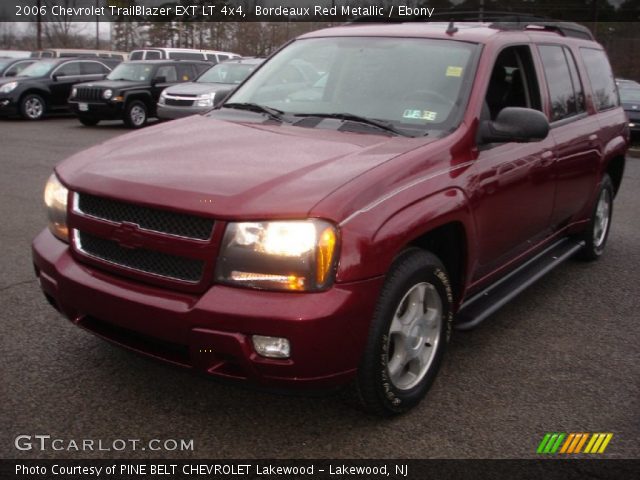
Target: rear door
pixel 578 146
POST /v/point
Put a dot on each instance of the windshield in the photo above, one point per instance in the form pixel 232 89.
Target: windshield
pixel 630 95
pixel 414 85
pixel 38 69
pixel 226 73
pixel 134 72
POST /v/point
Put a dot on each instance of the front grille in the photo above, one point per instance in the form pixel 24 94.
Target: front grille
pixel 176 102
pixel 163 221
pixel 148 261
pixel 89 94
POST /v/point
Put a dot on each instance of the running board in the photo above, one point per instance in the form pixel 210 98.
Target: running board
pixel 487 302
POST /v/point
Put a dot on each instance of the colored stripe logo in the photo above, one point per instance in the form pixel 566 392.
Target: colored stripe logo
pixel 572 443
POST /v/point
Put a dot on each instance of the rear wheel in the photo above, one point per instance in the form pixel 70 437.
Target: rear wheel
pixel 597 233
pixel 136 114
pixel 88 122
pixel 409 331
pixel 32 107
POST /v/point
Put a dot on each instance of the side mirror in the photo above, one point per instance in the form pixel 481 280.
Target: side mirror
pixel 11 74
pixel 56 76
pixel 158 80
pixel 514 124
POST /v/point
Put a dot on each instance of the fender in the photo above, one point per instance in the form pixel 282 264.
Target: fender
pixel 138 94
pixel 372 255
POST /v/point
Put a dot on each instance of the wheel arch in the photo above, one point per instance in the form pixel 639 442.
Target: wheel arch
pixel 441 224
pixel 615 170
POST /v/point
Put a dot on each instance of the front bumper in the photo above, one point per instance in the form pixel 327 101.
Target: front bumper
pixel 98 111
pixel 211 333
pixel 171 112
pixel 8 106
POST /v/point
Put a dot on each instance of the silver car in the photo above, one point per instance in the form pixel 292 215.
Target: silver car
pixel 207 90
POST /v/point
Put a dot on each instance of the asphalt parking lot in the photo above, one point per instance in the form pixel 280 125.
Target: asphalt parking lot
pixel 563 357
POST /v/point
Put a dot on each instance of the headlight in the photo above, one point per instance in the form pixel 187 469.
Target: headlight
pixel 163 98
pixel 8 87
pixel 298 255
pixel 74 92
pixel 55 198
pixel 205 100
pixel 107 94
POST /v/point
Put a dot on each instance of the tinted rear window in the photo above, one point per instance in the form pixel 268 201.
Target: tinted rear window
pixel 186 56
pixel 564 87
pixel 603 84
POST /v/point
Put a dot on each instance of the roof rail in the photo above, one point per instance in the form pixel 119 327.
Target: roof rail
pixel 496 19
pixel 518 21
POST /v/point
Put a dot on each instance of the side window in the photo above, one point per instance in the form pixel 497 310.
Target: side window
pixel 137 55
pixel 222 57
pixel 513 82
pixel 153 55
pixel 93 68
pixel 575 80
pixel 185 73
pixel 168 72
pixel 69 69
pixel 16 69
pixel 559 82
pixel 603 85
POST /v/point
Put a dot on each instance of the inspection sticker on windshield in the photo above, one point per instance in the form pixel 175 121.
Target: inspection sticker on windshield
pixel 453 71
pixel 420 115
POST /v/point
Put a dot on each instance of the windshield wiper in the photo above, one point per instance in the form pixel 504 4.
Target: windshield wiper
pixel 272 113
pixel 352 117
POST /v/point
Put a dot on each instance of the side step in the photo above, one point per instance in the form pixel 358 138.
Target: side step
pixel 487 302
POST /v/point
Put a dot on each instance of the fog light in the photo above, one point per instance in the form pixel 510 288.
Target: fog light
pixel 631 125
pixel 271 347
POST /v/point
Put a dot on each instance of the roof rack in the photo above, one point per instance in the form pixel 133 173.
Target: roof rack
pixel 495 19
pixel 519 21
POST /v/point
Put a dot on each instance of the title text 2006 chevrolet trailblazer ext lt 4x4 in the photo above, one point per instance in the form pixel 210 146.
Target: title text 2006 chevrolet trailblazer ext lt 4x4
pixel 330 233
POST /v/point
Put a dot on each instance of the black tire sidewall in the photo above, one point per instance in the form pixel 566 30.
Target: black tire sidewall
pixel 23 103
pixel 127 117
pixel 377 393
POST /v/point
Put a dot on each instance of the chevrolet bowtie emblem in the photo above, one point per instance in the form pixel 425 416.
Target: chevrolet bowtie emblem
pixel 128 235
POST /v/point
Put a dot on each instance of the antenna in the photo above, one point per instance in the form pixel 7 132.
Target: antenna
pixel 451 29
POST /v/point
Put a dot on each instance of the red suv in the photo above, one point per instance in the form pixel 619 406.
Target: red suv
pixel 318 233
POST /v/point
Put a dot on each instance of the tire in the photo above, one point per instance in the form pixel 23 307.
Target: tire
pixel 135 115
pixel 88 122
pixel 597 233
pixel 32 107
pixel 413 319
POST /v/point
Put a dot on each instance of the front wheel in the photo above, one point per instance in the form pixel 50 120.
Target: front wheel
pixel 135 114
pixel 597 233
pixel 410 329
pixel 32 107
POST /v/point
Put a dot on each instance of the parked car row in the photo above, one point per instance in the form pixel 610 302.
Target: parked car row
pixel 96 86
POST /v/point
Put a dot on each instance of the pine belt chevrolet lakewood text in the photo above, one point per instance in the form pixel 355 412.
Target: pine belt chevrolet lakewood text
pixel 364 191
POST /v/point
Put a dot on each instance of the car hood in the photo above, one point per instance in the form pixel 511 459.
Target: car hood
pixel 193 88
pixel 227 169
pixel 19 79
pixel 113 84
